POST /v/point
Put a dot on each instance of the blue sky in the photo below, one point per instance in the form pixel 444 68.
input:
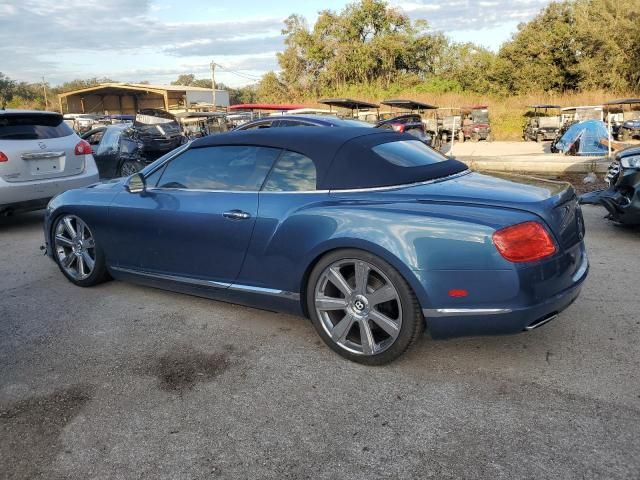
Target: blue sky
pixel 156 40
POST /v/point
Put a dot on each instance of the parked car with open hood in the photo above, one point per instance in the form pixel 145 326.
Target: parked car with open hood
pixel 40 157
pixel 371 234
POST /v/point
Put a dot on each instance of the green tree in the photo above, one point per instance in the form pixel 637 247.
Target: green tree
pixel 7 90
pixel 271 89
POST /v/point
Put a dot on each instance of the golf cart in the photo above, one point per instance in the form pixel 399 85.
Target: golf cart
pixel 584 112
pixel 449 123
pixel 409 119
pixel 625 123
pixel 475 124
pixel 368 112
pixel 540 125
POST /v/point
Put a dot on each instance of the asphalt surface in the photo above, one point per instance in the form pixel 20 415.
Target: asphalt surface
pixel 122 381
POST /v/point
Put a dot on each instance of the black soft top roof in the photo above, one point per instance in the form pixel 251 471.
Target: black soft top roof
pixel 343 157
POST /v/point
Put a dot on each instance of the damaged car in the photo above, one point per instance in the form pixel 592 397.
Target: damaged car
pixel 622 197
pixel 126 148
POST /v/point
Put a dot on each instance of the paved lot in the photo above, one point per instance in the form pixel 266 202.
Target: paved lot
pixel 122 381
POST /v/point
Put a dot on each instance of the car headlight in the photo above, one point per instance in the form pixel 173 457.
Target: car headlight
pixel 632 161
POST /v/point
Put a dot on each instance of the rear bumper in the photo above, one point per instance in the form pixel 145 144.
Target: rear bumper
pixel 452 322
pixel 19 196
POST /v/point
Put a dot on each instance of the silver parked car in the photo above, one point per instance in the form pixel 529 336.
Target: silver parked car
pixel 40 156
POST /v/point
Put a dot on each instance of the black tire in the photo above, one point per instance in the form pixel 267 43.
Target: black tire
pixel 98 275
pixel 412 323
pixel 129 167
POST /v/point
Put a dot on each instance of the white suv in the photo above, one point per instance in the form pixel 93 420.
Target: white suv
pixel 40 156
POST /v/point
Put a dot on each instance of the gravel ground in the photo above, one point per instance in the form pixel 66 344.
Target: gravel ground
pixel 121 381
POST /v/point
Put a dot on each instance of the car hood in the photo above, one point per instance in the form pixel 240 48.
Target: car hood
pixel 632 123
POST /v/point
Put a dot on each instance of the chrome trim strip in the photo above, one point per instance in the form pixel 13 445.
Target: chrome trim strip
pixel 265 291
pixel 406 185
pixel 583 268
pixel 455 312
pixel 173 278
pixel 41 155
pixel 209 283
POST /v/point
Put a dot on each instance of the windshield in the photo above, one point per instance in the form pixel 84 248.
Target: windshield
pixel 480 116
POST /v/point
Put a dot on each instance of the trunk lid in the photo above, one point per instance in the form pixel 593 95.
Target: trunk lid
pixel 554 202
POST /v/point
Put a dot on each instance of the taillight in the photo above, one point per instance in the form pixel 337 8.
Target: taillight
pixel 525 242
pixel 83 148
pixel 397 127
pixel 3 157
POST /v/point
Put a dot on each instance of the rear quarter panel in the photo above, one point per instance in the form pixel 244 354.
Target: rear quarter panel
pixel 429 244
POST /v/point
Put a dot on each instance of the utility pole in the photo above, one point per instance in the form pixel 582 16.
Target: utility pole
pixel 213 82
pixel 44 89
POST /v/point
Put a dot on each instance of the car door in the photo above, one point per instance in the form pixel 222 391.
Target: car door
pixel 196 217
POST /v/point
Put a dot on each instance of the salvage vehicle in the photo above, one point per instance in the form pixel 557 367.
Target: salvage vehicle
pixel 40 156
pixel 201 124
pixel 625 122
pixel 119 151
pixel 541 126
pixel 369 233
pixel 622 197
pixel 475 124
pixel 412 120
pixel 156 132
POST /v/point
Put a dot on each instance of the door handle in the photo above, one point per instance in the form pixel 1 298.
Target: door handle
pixel 237 215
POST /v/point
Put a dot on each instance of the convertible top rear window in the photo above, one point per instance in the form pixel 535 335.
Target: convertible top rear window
pixel 408 153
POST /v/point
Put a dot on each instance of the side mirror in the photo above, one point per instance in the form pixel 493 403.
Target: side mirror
pixel 136 184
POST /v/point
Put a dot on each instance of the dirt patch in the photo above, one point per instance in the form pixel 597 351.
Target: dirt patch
pixel 576 179
pixel 30 431
pixel 180 369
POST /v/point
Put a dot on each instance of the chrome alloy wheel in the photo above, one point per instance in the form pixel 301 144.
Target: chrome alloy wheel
pixel 358 306
pixel 75 247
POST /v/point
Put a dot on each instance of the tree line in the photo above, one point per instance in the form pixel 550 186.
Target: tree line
pixel 570 46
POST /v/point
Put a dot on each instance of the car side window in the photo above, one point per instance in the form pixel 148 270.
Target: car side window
pixel 109 142
pixel 237 167
pixel 292 173
pixel 259 125
pixel 293 123
pixel 95 138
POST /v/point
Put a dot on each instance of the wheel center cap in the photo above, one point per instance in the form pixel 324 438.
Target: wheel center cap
pixel 77 247
pixel 360 303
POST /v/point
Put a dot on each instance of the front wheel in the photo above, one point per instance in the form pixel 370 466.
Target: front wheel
pixel 362 307
pixel 76 252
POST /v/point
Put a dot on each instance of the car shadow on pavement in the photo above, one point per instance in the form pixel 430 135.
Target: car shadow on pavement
pixel 21 220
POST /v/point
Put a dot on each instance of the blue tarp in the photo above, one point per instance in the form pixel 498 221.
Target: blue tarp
pixel 584 138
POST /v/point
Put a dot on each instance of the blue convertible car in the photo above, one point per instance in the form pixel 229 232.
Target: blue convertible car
pixel 371 234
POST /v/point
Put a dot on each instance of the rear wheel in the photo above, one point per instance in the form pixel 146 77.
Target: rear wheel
pixel 362 307
pixel 76 252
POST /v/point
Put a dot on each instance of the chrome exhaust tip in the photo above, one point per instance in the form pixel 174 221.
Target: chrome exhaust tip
pixel 540 322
